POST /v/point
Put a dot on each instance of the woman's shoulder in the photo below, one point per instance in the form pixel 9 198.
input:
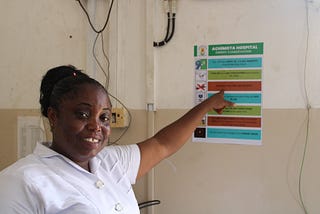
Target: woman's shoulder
pixel 115 151
pixel 23 168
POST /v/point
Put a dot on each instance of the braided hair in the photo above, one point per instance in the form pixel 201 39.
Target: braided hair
pixel 60 83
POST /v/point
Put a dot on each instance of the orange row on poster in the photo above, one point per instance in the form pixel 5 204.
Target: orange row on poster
pixel 234 121
pixel 235 86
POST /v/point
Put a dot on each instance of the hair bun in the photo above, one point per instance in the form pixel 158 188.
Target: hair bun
pixel 51 78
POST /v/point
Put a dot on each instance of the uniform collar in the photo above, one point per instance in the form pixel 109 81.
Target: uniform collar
pixel 43 151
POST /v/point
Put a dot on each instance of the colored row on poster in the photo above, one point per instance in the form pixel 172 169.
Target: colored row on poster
pixel 235 86
pixel 254 74
pixel 252 122
pixel 229 86
pixel 204 64
pixel 244 134
pixel 240 110
pixel 229 49
pixel 242 98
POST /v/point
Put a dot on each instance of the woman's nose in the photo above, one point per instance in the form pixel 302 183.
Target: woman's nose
pixel 94 125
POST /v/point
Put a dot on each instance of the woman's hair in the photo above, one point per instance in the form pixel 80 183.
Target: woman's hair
pixel 62 82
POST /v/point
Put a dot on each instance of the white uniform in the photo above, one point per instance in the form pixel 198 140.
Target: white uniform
pixel 46 182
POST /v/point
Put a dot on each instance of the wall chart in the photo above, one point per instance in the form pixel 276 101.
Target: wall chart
pixel 236 69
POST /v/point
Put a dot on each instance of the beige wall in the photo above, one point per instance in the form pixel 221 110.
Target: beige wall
pixel 221 178
pixel 8 132
pixel 36 35
pixel 233 179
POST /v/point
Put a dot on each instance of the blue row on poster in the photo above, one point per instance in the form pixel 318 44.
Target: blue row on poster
pixel 241 98
pixel 234 133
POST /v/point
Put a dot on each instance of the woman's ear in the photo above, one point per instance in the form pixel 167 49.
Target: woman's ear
pixel 52 117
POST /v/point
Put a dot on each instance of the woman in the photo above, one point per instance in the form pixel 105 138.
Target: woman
pixel 77 172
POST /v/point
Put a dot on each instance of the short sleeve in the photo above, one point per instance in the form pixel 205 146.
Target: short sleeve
pixel 127 156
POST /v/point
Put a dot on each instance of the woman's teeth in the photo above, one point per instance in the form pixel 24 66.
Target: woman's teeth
pixel 91 140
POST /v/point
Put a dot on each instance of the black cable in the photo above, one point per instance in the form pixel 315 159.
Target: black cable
pixel 168 26
pixel 171 31
pixel 163 42
pixel 108 62
pixel 106 73
pixel 308 107
pixel 88 17
pixel 148 203
pixel 173 26
pixel 95 57
pixel 99 33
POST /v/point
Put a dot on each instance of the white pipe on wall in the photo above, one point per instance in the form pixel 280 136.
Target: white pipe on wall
pixel 150 92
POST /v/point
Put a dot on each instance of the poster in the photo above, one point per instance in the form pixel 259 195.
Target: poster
pixel 236 69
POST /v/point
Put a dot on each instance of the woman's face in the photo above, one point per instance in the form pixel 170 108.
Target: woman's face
pixel 81 126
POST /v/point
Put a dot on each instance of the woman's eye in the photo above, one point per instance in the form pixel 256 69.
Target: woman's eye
pixel 105 118
pixel 83 115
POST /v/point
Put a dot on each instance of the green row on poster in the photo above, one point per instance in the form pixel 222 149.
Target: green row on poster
pixel 230 49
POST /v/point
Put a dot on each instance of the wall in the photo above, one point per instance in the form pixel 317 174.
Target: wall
pixel 284 34
pixel 215 178
pixel 200 178
pixel 226 178
pixel 33 39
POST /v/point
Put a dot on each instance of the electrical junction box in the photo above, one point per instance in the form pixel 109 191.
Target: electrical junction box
pixel 119 118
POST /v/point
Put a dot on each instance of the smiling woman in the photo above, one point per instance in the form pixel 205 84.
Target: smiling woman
pixel 79 113
pixel 77 172
pixel 60 175
pixel 82 121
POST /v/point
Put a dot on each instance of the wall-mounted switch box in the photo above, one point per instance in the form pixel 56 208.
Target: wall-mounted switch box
pixel 120 118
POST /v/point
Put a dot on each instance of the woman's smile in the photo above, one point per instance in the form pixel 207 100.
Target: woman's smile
pixel 83 123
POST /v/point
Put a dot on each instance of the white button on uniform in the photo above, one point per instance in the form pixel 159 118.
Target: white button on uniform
pixel 118 207
pixel 99 184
